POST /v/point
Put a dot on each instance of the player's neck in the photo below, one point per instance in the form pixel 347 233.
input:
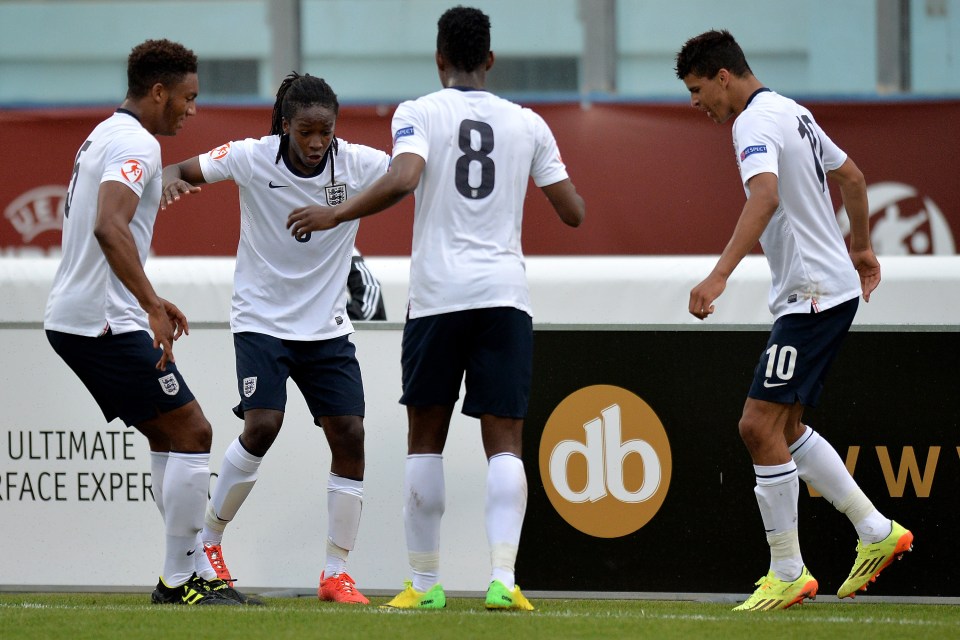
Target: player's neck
pixel 744 90
pixel 465 80
pixel 135 108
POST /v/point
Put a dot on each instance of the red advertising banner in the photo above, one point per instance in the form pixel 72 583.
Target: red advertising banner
pixel 657 179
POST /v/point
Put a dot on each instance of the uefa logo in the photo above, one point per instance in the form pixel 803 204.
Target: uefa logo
pixel 902 222
pixel 605 461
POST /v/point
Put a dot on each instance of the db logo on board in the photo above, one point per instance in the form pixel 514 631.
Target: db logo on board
pixel 605 461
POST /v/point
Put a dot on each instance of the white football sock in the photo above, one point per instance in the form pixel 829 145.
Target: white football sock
pixel 777 491
pixel 424 498
pixel 505 507
pixel 158 466
pixel 201 562
pixel 238 474
pixel 819 465
pixel 344 504
pixel 185 484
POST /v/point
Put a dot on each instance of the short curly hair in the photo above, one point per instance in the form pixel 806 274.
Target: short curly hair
pixel 704 55
pixel 156 61
pixel 463 37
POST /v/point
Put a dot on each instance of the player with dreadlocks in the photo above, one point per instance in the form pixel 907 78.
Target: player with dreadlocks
pixel 289 317
pixel 467 155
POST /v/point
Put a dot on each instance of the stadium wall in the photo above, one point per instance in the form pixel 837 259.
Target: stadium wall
pixel 76 510
pixel 646 171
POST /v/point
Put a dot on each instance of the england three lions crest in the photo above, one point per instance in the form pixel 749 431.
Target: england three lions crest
pixel 336 194
pixel 249 386
pixel 169 384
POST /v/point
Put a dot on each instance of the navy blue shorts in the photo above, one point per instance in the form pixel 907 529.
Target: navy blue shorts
pixel 120 372
pixel 801 348
pixel 326 371
pixel 494 347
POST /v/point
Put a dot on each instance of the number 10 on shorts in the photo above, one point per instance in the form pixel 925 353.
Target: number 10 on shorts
pixel 785 360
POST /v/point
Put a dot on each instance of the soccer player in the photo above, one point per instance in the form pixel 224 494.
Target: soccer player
pixel 467 155
pixel 289 317
pixel 785 159
pixel 102 308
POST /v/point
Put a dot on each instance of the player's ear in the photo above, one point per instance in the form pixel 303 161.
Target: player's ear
pixel 490 60
pixel 158 92
pixel 441 68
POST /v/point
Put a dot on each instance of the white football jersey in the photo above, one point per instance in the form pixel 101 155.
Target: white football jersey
pixel 480 151
pixel 284 287
pixel 808 258
pixel 87 298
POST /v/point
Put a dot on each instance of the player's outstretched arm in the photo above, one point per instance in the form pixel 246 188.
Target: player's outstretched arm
pixel 400 181
pixel 180 178
pixel 566 202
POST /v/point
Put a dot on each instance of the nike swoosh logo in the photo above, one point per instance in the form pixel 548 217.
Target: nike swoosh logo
pixel 767 384
pixel 277 186
pixel 190 553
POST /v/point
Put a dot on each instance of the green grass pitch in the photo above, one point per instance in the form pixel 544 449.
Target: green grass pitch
pixel 26 616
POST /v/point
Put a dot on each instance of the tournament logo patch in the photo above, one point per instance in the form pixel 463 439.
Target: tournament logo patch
pixel 249 386
pixel 131 171
pixel 336 194
pixel 749 151
pixel 406 131
pixel 169 384
pixel 220 152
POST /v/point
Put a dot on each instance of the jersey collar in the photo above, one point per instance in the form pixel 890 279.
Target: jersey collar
pixel 316 172
pixel 754 95
pixel 129 113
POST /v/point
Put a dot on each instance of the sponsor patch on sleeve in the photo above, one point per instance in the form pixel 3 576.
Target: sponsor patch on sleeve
pixel 220 152
pixel 749 151
pixel 401 133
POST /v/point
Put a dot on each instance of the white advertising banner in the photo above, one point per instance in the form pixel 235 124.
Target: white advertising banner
pixel 76 508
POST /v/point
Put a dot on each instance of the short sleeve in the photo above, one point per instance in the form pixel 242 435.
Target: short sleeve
pixel 133 161
pixel 833 156
pixel 547 167
pixel 227 162
pixel 758 142
pixel 409 130
pixel 370 165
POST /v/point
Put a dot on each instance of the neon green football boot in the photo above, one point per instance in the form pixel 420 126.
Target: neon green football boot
pixel 874 558
pixel 499 597
pixel 773 593
pixel 409 598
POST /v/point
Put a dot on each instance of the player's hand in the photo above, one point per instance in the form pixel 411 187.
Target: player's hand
pixel 702 296
pixel 867 265
pixel 177 319
pixel 167 323
pixel 171 192
pixel 312 218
